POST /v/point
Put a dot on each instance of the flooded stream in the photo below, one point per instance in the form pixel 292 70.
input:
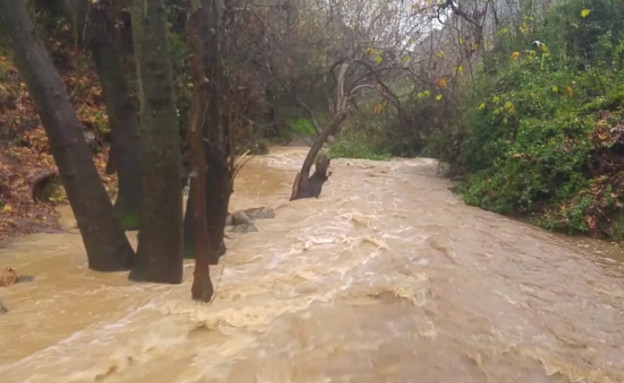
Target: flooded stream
pixel 388 277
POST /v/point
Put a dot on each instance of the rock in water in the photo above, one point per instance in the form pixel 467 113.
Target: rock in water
pixel 8 277
pixel 242 221
pixel 260 213
pixel 244 228
pixel 240 218
pixel 25 278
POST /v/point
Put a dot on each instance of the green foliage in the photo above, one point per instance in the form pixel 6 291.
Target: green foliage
pixel 425 127
pixel 303 127
pixel 355 143
pixel 587 32
pixel 129 220
pixel 539 142
pixel 179 60
pixel 545 159
pixel 381 129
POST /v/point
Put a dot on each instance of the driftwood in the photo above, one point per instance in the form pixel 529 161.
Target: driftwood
pixel 39 184
pixel 8 277
pixel 310 187
pixel 306 186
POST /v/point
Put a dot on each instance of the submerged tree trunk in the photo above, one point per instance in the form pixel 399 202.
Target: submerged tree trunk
pixel 124 157
pixel 219 184
pixel 216 215
pixel 202 288
pixel 107 247
pixel 159 253
pixel 217 128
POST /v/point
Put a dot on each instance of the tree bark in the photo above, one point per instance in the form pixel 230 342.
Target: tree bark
pixel 202 289
pixel 107 247
pixel 123 120
pixel 159 253
pixel 216 131
pixel 124 155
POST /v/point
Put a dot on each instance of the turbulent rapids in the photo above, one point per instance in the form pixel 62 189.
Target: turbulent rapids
pixel 388 277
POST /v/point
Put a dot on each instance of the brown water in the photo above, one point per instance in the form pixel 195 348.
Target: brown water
pixel 386 278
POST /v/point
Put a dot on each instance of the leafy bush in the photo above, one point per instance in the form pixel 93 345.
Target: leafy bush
pixel 409 136
pixel 303 127
pixel 356 143
pixel 544 138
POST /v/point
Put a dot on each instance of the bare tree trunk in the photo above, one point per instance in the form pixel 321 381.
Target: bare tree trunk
pixel 159 254
pixel 107 247
pixel 202 289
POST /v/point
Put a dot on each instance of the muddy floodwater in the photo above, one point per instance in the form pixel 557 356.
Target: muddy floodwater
pixel 388 277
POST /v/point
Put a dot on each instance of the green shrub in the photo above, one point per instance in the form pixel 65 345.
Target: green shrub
pixel 354 143
pixel 303 127
pixel 531 146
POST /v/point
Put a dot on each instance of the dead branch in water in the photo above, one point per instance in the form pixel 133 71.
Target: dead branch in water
pixel 306 186
pixel 39 184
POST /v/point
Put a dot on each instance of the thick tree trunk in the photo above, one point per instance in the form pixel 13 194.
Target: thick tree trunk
pixel 123 120
pixel 219 184
pixel 107 247
pixel 124 155
pixel 202 288
pixel 159 254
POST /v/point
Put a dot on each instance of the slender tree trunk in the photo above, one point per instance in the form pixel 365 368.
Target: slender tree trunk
pixel 216 215
pixel 107 247
pixel 202 289
pixel 217 128
pixel 159 254
pixel 219 184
